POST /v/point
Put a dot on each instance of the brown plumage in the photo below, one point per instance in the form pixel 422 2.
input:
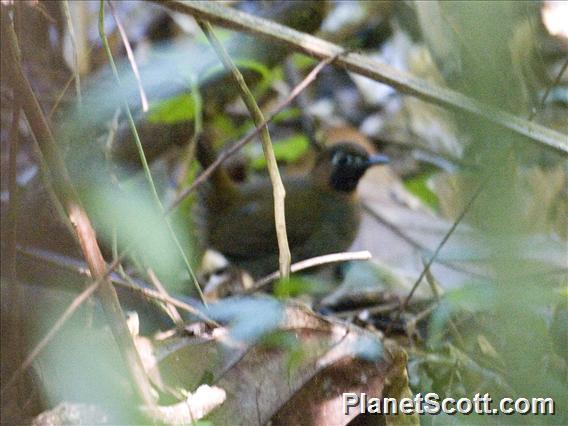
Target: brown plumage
pixel 322 213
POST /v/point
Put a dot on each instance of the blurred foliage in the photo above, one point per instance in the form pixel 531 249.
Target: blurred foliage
pixel 297 286
pixel 419 186
pixel 504 346
pixel 504 334
pixel 287 150
pixel 171 111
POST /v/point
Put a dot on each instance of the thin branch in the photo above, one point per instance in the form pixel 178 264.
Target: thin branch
pixel 278 190
pixel 14 293
pixel 63 91
pixel 130 56
pixel 311 263
pixel 307 120
pixel 11 217
pixel 60 97
pixel 189 173
pixel 142 156
pixel 170 309
pixel 76 75
pixel 556 81
pixel 197 120
pixel 434 288
pixel 413 243
pixel 223 156
pixel 165 298
pixel 78 216
pixel 117 280
pixel 442 243
pixel 373 69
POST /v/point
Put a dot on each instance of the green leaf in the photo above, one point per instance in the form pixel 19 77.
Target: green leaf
pixel 303 61
pixel 242 64
pixel 288 150
pixel 296 286
pixel 287 114
pixel 173 110
pixel 419 187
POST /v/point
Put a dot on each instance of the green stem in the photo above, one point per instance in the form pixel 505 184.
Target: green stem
pixel 141 154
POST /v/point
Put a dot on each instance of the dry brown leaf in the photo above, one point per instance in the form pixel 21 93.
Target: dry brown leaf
pixel 298 385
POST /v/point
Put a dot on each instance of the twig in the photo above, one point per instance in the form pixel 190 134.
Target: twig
pixel 542 103
pixel 130 56
pixel 192 145
pixel 434 287
pixel 413 243
pixel 442 243
pixel 14 294
pixel 155 295
pixel 170 309
pixel 373 69
pixel 79 268
pixel 63 91
pixel 11 217
pixel 307 120
pixel 165 298
pixel 425 312
pixel 78 216
pixel 197 120
pixel 311 263
pixel 60 97
pixel 76 75
pixel 142 156
pixel 278 190
pixel 223 156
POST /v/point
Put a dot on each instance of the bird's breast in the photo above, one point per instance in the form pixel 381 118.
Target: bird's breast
pixel 317 222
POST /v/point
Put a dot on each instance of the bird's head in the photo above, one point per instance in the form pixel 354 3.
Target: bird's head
pixel 341 165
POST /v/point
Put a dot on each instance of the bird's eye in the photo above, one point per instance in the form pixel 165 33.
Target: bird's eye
pixel 339 159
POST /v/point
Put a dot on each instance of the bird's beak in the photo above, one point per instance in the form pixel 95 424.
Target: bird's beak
pixel 377 159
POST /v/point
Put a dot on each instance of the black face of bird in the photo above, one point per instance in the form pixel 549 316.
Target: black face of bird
pixel 348 164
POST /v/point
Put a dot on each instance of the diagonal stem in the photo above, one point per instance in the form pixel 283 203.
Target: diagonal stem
pixel 70 200
pixel 278 190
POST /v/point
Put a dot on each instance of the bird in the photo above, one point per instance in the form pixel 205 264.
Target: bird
pixel 321 208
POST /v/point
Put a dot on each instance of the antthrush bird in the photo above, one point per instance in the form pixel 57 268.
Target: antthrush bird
pixel 322 212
